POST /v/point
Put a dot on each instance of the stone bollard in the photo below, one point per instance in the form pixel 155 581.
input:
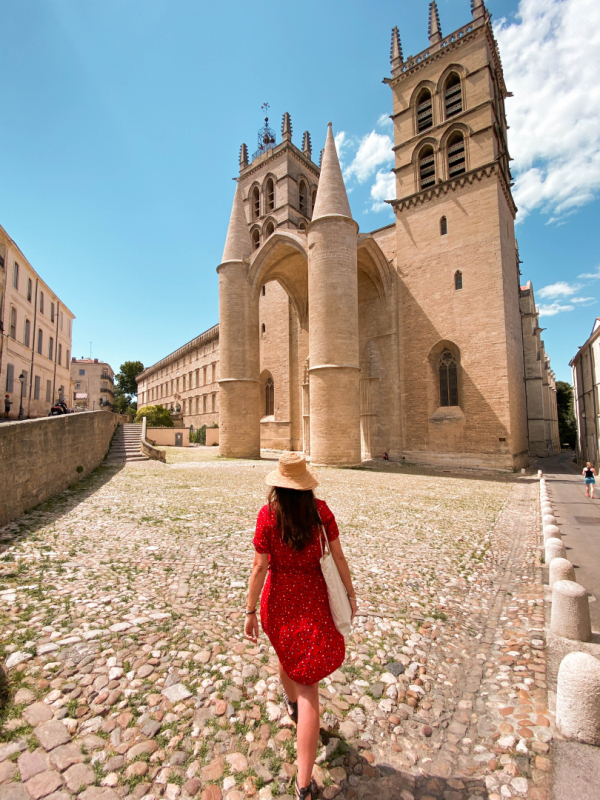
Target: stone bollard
pixel 551 532
pixel 546 509
pixel 540 473
pixel 549 519
pixel 544 498
pixel 578 698
pixel 561 569
pixel 554 548
pixel 570 616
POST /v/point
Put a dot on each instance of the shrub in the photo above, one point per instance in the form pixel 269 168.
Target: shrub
pixel 156 417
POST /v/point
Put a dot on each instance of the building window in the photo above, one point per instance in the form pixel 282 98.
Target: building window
pixel 204 403
pixel 424 111
pixel 255 203
pixel 269 398
pixel 270 229
pixel 10 378
pixel 29 289
pixel 78 384
pixel 214 402
pixel 453 96
pixel 314 202
pixel 40 341
pixel 197 405
pixel 255 239
pixel 302 198
pixel 13 322
pixel 41 302
pixel 16 276
pixel 67 359
pixel 264 290
pixel 60 322
pixel 448 380
pixel 25 384
pixel 456 155
pixel 36 387
pixel 51 312
pixel 214 372
pixel 82 372
pixel 443 226
pixel 427 167
pixel 263 328
pixel 27 336
pixel 59 359
pixel 48 391
pixel 204 375
pixel 51 348
pixel 458 280
pixel 270 195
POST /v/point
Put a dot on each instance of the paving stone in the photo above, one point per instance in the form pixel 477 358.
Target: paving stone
pixel 78 775
pixel 43 784
pixel 31 764
pixel 52 734
pixel 14 791
pixel 37 713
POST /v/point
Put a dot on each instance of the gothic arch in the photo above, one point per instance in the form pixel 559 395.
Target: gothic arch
pixel 269 227
pixel 460 71
pixel 414 100
pixel 456 127
pixel 283 258
pixel 265 187
pixel 255 186
pixel 373 262
pixel 434 359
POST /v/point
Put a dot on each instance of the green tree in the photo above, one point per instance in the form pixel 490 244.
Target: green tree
pixel 156 417
pixel 567 426
pixel 126 377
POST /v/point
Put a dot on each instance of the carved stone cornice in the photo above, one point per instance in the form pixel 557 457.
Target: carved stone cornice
pixel 277 152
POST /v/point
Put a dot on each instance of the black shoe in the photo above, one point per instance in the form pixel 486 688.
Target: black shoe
pixel 292 708
pixel 308 793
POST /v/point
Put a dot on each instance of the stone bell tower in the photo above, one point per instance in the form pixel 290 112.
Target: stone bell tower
pixel 462 357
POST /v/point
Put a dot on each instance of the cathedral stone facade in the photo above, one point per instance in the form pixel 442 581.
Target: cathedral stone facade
pixel 406 340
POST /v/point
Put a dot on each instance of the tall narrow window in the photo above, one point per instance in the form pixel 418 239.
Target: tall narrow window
pixel 269 398
pixel 27 336
pixel 255 239
pixel 456 155
pixel 204 396
pixel 214 402
pixel 255 203
pixel 448 380
pixel 443 226
pixel 264 290
pixel 59 359
pixel 314 202
pixel 16 276
pixel 51 312
pixel 36 387
pixel 40 341
pixel 29 289
pixel 13 322
pixel 263 329
pixel 458 280
pixel 270 229
pixel 10 378
pixel 302 198
pixel 427 167
pixel 270 195
pixel 424 111
pixel 41 302
pixel 453 96
pixel 48 391
pixel 67 358
pixel 51 348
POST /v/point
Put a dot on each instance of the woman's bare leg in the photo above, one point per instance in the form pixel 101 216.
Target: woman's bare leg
pixel 290 686
pixel 307 734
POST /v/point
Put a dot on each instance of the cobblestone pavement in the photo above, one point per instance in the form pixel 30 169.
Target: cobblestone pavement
pixel 121 614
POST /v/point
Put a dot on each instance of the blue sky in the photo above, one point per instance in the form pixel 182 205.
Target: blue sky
pixel 122 122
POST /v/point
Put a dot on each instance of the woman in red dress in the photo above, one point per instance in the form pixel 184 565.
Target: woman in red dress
pixel 294 607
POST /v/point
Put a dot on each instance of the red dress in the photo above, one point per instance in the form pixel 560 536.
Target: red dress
pixel 294 607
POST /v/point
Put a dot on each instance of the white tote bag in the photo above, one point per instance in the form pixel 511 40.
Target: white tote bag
pixel 339 604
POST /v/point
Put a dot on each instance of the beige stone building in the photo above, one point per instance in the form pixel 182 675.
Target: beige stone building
pixel 540 382
pixel 407 339
pixel 36 328
pixel 586 390
pixel 93 383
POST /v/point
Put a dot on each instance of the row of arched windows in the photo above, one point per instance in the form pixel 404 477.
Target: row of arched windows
pixel 307 198
pixel 452 103
pixel 455 161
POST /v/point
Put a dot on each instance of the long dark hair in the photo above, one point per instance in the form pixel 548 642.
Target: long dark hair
pixel 296 513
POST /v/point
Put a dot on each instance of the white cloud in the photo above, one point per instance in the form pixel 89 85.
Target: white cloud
pixel 374 150
pixel 342 142
pixel 559 289
pixel 385 121
pixel 551 59
pixel 590 276
pixel 383 189
pixel 554 308
pixel 586 301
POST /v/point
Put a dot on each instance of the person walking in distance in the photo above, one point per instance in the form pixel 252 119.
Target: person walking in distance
pixel 589 474
pixel 294 607
pixel 7 405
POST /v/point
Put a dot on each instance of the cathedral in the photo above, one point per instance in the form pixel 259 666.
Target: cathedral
pixel 408 340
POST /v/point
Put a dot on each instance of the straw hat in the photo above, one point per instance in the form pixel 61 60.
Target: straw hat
pixel 292 473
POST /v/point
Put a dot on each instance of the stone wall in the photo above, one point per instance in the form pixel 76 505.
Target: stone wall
pixel 39 457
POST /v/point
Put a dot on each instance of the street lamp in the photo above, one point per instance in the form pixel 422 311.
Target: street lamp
pixel 22 381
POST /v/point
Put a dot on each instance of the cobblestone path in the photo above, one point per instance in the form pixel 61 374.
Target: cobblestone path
pixel 121 610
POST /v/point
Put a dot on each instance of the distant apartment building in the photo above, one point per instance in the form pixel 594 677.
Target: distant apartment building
pixel 586 396
pixel 36 330
pixel 93 383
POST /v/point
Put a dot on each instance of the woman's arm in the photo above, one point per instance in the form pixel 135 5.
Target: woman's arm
pixel 340 561
pixel 257 581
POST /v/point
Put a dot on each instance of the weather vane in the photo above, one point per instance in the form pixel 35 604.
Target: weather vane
pixel 266 135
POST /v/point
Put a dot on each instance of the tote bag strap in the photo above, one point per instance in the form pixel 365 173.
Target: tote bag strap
pixel 323 535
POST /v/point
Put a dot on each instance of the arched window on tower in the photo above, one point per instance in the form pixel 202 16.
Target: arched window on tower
pixel 269 229
pixel 456 155
pixel 426 167
pixel 443 226
pixel 424 111
pixel 255 203
pixel 269 398
pixel 453 95
pixel 270 195
pixel 458 280
pixel 448 371
pixel 313 202
pixel 255 239
pixel 303 198
pixel 302 226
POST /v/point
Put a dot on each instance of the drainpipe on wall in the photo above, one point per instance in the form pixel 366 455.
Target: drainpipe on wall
pixel 56 349
pixel 33 346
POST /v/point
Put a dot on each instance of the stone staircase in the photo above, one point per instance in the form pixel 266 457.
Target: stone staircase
pixel 125 445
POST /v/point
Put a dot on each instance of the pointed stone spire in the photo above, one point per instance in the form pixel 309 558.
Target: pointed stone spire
pixel 286 128
pixel 243 157
pixel 477 8
pixel 396 52
pixel 306 145
pixel 435 29
pixel 238 244
pixel 331 197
